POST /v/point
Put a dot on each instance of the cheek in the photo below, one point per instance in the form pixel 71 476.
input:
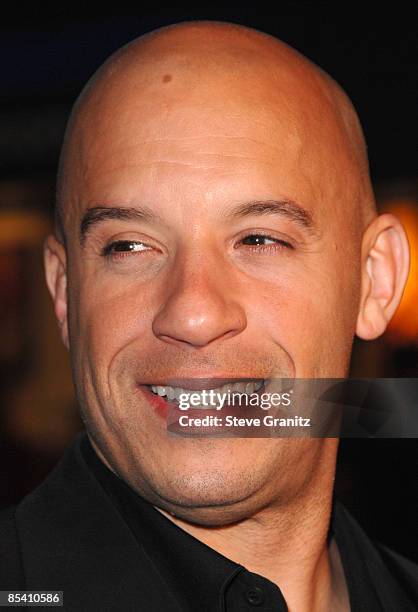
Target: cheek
pixel 105 320
pixel 312 317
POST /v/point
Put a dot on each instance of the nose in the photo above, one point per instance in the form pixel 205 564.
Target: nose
pixel 199 307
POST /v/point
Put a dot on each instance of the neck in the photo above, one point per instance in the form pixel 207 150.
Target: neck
pixel 288 544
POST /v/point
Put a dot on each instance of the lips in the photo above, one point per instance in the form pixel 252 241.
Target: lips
pixel 202 397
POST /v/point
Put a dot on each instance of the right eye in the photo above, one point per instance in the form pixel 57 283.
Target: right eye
pixel 121 249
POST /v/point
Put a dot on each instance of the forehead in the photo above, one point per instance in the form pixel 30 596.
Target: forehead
pixel 172 99
pixel 217 131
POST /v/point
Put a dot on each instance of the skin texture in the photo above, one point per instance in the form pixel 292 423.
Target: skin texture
pixel 189 122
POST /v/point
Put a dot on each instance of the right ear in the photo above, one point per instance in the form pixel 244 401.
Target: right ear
pixel 55 262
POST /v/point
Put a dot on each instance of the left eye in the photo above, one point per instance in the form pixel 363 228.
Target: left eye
pixel 260 240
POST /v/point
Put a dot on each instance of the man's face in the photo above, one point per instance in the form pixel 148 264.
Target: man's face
pixel 205 284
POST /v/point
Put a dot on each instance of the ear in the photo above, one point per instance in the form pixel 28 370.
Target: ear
pixel 55 262
pixel 385 267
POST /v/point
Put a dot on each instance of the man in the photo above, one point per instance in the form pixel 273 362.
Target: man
pixel 216 222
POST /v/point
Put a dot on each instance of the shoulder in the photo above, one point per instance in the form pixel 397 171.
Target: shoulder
pixel 11 572
pixel 7 526
pixel 372 566
pixel 26 528
pixel 403 570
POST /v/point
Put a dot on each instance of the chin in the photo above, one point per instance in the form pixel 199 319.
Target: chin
pixel 209 511
pixel 210 498
pixel 216 516
pixel 211 477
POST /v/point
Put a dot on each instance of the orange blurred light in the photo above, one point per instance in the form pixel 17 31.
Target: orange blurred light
pixel 403 328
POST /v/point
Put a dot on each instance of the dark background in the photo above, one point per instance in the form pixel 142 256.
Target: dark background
pixel 46 56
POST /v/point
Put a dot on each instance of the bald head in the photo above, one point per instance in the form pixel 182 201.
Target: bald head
pixel 194 80
pixel 214 192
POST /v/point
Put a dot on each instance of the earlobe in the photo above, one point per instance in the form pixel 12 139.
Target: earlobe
pixel 385 266
pixel 55 263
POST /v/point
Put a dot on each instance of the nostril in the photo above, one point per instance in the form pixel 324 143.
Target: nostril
pixel 196 341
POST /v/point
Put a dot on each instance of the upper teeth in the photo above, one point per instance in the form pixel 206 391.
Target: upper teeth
pixel 240 387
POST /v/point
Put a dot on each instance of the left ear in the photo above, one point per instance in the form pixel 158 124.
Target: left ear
pixel 385 267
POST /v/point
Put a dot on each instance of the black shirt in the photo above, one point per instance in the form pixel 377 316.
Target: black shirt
pixel 198 578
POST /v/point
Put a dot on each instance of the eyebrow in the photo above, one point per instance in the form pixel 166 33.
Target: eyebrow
pixel 285 208
pixel 97 214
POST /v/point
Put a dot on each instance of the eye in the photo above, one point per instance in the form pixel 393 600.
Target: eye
pixel 264 242
pixel 122 248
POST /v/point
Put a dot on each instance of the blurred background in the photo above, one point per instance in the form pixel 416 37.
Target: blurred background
pixel 46 56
